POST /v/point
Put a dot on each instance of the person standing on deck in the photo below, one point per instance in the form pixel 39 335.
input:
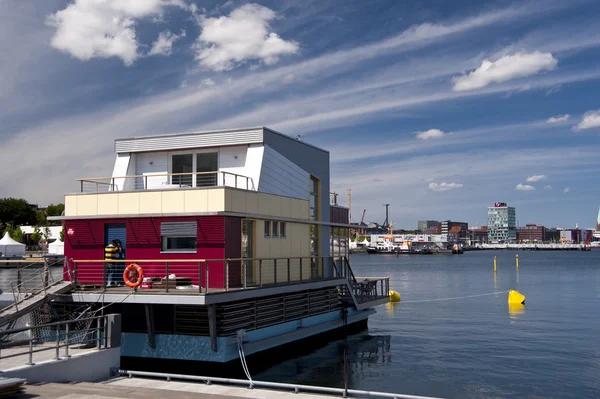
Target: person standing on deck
pixel 111 252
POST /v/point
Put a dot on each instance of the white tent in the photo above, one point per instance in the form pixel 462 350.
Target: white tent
pixel 10 247
pixel 56 248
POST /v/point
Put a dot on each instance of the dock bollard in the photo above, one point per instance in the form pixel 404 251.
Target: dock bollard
pixel 517 260
pixel 494 264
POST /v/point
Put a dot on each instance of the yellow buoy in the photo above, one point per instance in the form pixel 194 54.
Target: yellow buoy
pixel 515 297
pixel 395 296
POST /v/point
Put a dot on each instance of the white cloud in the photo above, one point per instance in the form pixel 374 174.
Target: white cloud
pixel 558 119
pixel 244 35
pixel 430 134
pixel 524 187
pixel 591 119
pixel 548 187
pixel 536 178
pixel 91 28
pixel 505 68
pixel 164 43
pixel 566 190
pixel 443 186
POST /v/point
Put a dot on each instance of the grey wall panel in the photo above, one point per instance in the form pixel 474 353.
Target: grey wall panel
pixel 313 160
pixel 190 140
pixel 281 176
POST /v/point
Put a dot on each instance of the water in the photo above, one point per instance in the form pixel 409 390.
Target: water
pixel 474 347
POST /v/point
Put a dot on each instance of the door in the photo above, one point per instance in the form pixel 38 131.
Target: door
pixel 182 163
pixel 248 247
pixel 116 231
pixel 206 162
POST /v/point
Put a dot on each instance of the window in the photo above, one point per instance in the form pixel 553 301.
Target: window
pixel 206 162
pixel 275 229
pixel 178 236
pixel 282 230
pixel 267 229
pixel 182 164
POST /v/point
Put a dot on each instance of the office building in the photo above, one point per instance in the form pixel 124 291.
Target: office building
pixel 502 223
pixel 423 225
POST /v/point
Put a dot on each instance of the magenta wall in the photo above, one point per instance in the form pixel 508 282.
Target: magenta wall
pixel 143 243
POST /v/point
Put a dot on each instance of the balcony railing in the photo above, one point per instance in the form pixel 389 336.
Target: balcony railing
pixel 202 276
pixel 165 181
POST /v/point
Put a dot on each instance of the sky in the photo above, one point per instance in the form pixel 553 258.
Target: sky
pixel 437 108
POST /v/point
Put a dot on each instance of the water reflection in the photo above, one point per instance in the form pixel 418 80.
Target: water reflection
pixel 516 310
pixel 391 309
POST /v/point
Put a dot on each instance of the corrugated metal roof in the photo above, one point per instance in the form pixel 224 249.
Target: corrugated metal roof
pixel 215 138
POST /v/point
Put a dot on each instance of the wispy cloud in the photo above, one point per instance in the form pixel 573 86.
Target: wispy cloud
pixel 430 134
pixel 536 178
pixel 164 43
pixel 591 119
pixel 558 119
pixel 524 187
pixel 548 187
pixel 566 190
pixel 443 186
pixel 505 68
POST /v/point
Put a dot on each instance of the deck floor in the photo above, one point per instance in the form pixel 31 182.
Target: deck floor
pixel 22 355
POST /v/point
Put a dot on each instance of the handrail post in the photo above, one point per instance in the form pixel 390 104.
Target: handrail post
pixel 301 269
pixel 112 184
pixel 104 276
pixel 206 271
pixel 246 182
pixel 260 272
pixel 244 271
pixel 99 332
pixel 46 269
pixel 57 342
pixel 81 182
pixel 67 340
pixel 145 182
pixel 30 362
pixel 227 275
pixel 288 270
pixel 167 277
pixel 236 176
pixel 275 271
pixel 223 179
pixel 199 277
pixel 19 278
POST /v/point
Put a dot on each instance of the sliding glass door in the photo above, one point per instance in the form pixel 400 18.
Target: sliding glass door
pixel 206 162
pixel 182 163
pixel 203 163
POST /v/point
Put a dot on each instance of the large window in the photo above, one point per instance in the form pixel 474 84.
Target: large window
pixel 275 229
pixel 182 164
pixel 206 162
pixel 178 236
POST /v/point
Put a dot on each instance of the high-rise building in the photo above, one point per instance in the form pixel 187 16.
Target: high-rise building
pixel 426 224
pixel 502 223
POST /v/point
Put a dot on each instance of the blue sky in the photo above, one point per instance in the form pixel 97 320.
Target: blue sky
pixel 438 108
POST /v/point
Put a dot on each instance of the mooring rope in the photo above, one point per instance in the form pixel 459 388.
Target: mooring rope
pixel 243 358
pixel 456 297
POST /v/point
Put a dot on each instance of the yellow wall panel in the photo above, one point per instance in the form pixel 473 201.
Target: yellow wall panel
pixel 238 201
pixel 129 203
pixel 172 201
pixel 216 199
pixel 71 205
pixel 108 204
pixel 264 204
pixel 252 202
pixel 87 205
pixel 196 201
pixel 286 207
pixel 150 202
pixel 275 207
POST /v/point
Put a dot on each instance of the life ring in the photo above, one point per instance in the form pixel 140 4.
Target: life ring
pixel 128 275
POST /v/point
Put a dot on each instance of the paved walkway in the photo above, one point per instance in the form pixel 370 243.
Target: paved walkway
pixel 135 388
pixel 48 354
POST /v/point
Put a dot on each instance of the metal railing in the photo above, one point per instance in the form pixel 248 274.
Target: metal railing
pixel 205 275
pixel 88 332
pixel 31 277
pixel 297 388
pixel 165 181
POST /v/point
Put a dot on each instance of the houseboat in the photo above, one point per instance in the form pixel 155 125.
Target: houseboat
pixel 226 242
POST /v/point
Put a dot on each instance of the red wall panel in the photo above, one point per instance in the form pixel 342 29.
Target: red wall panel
pixel 143 243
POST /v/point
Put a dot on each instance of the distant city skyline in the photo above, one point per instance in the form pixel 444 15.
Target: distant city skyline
pixel 438 108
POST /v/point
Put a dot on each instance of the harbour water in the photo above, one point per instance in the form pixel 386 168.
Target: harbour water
pixel 452 337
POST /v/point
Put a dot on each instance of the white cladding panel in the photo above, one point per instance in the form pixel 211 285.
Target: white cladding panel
pixel 121 168
pixel 190 140
pixel 281 176
pixel 153 163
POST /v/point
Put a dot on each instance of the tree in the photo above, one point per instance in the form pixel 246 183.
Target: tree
pixel 9 230
pixel 54 210
pixel 36 236
pixel 62 234
pixel 17 234
pixel 47 233
pixel 17 212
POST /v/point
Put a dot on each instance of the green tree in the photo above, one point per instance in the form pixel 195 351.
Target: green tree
pixel 36 236
pixel 17 212
pixel 9 230
pixel 46 233
pixel 62 234
pixel 17 234
pixel 54 210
